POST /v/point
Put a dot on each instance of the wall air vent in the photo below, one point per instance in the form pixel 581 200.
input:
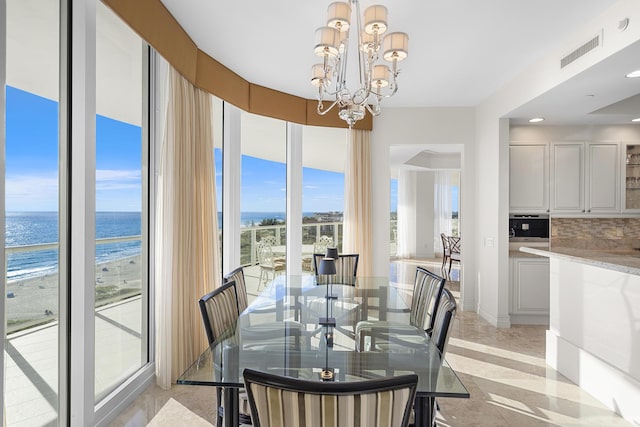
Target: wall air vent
pixel 581 51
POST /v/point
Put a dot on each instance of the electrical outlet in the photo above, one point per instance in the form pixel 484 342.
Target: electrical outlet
pixel 488 242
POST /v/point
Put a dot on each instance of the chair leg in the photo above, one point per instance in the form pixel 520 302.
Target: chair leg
pixel 450 261
pixel 218 407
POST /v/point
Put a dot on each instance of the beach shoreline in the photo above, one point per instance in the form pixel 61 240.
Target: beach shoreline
pixel 36 298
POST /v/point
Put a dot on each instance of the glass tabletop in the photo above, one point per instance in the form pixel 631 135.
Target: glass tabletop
pixel 281 333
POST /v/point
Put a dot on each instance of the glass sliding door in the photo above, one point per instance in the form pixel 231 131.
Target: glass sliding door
pixel 263 200
pixel 323 159
pixel 121 290
pixel 31 210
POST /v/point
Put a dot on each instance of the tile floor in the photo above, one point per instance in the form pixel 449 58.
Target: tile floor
pixel 503 369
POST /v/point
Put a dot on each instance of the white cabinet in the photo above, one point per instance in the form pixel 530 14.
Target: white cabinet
pixel 529 302
pixel 528 178
pixel 567 177
pixel 585 177
pixel 603 183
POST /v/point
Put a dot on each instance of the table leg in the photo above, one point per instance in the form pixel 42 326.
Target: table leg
pixel 423 408
pixel 231 407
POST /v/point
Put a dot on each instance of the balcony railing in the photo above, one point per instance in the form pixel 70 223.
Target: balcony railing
pixel 311 233
pixel 105 291
pixel 108 292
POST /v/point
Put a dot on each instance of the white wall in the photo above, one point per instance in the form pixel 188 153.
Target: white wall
pixel 449 126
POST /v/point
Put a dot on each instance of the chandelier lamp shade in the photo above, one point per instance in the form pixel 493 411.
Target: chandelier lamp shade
pixel 374 46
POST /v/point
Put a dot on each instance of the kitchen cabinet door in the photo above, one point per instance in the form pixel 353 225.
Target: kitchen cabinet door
pixel 567 177
pixel 603 185
pixel 528 178
pixel 529 291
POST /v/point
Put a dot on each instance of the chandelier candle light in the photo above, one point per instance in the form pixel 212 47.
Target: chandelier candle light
pixel 377 81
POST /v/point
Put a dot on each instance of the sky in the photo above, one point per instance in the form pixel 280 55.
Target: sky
pixel 32 167
pixel 264 182
pixel 32 157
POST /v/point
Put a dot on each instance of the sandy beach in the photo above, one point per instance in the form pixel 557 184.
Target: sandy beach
pixel 37 298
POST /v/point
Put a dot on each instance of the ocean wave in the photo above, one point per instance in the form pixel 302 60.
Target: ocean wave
pixel 28 273
pixel 28 265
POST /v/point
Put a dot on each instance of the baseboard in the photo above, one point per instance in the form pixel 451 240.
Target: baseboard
pixel 529 319
pixel 110 407
pixel 500 322
pixel 617 390
pixel 469 305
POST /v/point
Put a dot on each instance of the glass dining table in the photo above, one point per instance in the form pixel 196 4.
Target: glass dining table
pixel 294 329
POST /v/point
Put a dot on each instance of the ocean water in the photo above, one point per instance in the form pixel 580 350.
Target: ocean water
pixel 31 228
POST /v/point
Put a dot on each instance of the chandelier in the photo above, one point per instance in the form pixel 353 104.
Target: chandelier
pixel 377 81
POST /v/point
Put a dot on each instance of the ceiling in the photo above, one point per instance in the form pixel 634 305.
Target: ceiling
pixel 460 51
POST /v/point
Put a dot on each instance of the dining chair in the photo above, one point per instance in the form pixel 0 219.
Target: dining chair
pixel 278 401
pixel 346 269
pixel 237 276
pixel 443 322
pixel 442 326
pixel 265 325
pixel 219 311
pixel 454 250
pixel 446 252
pixel 427 291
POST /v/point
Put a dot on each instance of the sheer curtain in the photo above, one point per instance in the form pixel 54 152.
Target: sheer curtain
pixel 443 209
pixel 357 231
pixel 187 247
pixel 406 246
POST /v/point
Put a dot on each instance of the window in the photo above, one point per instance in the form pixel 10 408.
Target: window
pixel 121 295
pixel 323 160
pixel 31 204
pixel 263 198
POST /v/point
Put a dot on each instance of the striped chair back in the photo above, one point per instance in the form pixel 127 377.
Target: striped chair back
pixel 219 310
pixel 237 276
pixel 346 269
pixel 278 401
pixel 445 313
pixel 426 296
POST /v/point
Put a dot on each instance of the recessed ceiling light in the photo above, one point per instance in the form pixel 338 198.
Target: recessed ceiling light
pixel 632 74
pixel 536 120
pixel 636 120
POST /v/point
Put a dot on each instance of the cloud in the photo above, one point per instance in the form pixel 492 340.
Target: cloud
pixel 312 187
pixel 32 192
pixel 110 179
pixel 117 175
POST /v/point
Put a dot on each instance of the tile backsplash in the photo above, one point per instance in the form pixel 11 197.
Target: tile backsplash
pixel 596 233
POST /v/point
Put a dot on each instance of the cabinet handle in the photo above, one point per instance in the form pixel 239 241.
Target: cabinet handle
pixel 582 210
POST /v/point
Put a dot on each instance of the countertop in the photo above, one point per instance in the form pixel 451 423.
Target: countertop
pixel 625 261
pixel 515 253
